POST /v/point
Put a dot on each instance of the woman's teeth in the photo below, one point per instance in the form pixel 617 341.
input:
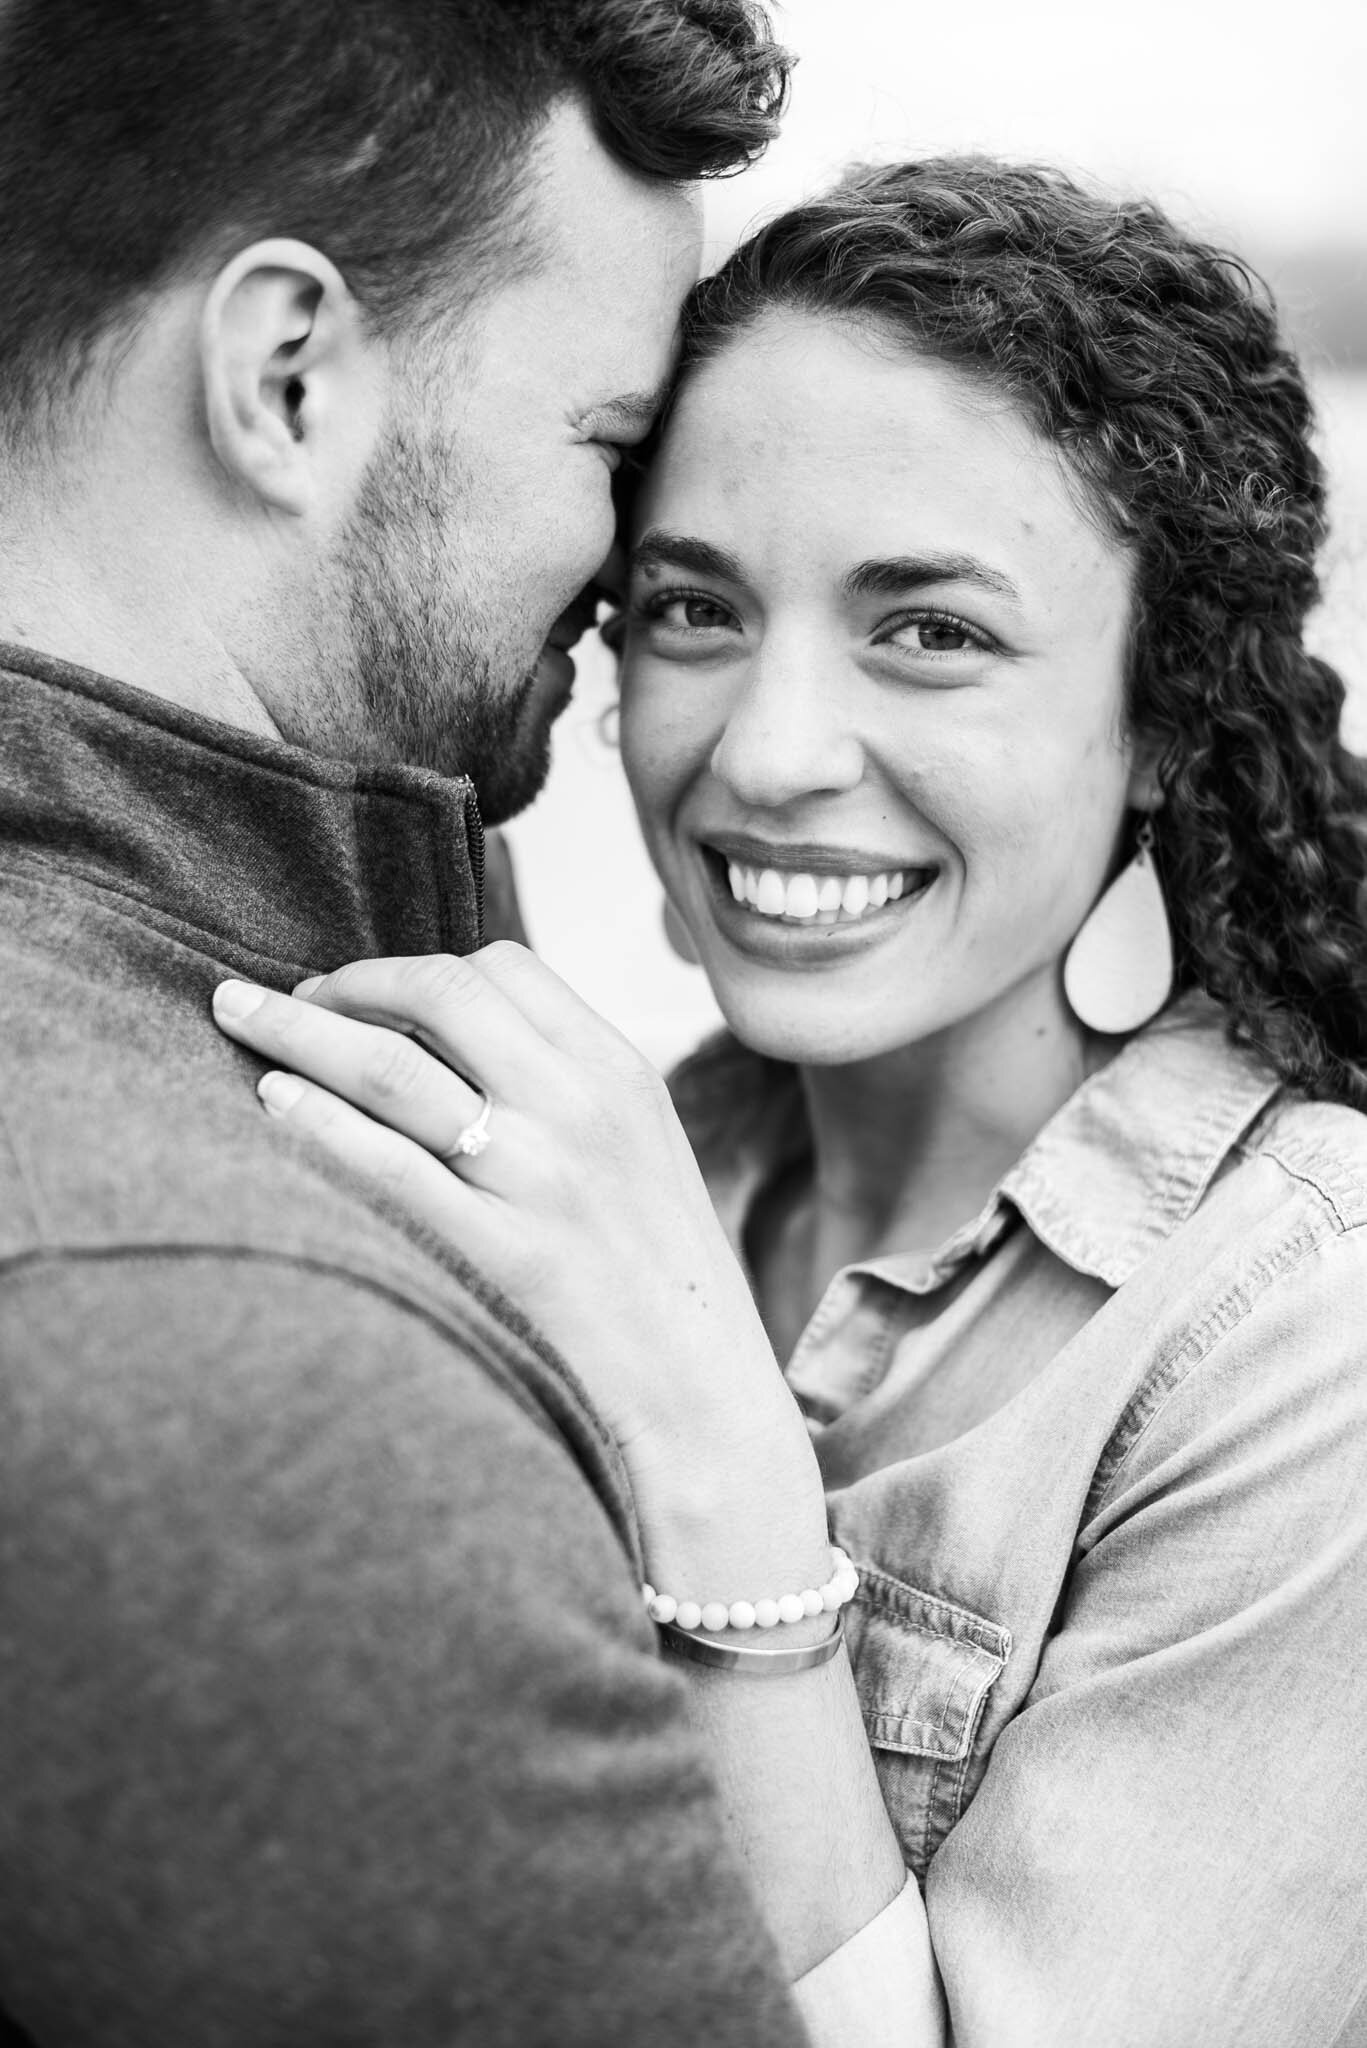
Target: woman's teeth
pixel 815 899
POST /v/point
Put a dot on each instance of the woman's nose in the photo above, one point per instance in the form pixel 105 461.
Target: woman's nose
pixel 786 736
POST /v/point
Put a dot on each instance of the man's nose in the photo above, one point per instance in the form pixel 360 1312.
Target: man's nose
pixel 787 735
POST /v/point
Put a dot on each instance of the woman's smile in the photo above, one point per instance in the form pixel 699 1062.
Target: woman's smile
pixel 872 705
pixel 806 904
pixel 823 899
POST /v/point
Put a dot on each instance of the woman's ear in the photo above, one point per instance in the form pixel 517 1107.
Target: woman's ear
pixel 291 383
pixel 1145 791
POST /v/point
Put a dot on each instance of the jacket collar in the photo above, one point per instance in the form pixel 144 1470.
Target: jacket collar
pixel 274 860
pixel 1112 1174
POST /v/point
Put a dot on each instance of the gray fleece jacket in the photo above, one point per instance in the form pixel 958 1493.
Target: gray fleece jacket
pixel 328 1712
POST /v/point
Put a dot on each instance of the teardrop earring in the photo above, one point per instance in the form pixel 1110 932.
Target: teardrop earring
pixel 679 937
pixel 1118 970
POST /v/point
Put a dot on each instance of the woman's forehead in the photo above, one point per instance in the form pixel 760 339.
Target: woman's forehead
pixel 799 388
pixel 802 440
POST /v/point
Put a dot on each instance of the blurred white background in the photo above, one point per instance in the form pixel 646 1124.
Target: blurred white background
pixel 1246 120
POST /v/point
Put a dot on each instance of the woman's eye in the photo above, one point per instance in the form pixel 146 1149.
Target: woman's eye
pixel 938 638
pixel 684 611
pixel 697 613
pixel 937 633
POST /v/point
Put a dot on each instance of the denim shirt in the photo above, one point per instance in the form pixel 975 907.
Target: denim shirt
pixel 1102 1463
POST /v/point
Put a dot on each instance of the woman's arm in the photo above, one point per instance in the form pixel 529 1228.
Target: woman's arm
pixel 1167 1842
pixel 588 1211
pixel 1167 1845
pixel 804 1806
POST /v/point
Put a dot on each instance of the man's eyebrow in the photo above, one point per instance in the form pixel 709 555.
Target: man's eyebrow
pixel 631 415
pixel 901 573
pixel 657 549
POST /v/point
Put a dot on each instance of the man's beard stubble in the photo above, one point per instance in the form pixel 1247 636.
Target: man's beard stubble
pixel 429 684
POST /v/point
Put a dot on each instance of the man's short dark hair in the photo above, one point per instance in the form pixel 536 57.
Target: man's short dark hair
pixel 139 141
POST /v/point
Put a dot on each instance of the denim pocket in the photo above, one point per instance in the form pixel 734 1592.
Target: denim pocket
pixel 923 1668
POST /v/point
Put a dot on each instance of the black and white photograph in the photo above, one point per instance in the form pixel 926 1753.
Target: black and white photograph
pixel 683 1024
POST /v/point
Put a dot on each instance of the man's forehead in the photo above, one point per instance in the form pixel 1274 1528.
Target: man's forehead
pixel 648 247
pixel 591 207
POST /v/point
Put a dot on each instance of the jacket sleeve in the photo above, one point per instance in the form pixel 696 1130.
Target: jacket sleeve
pixel 328 1712
pixel 1167 1844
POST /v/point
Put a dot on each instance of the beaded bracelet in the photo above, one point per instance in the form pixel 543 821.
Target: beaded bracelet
pixel 715 1615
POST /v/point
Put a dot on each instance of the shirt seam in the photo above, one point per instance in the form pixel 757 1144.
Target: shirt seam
pixel 878 1352
pixel 1302 1171
pixel 974 1624
pixel 1351 2015
pixel 1161 1383
pixel 1051 1213
pixel 491 1349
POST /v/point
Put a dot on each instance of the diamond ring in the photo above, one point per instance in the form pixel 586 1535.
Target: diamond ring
pixel 474 1139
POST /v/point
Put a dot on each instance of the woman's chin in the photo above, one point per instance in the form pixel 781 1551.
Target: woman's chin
pixel 806 1033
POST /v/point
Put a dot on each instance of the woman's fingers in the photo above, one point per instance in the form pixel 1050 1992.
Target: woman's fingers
pixel 399 1171
pixel 451 1003
pixel 561 1015
pixel 379 1070
pixel 494 1014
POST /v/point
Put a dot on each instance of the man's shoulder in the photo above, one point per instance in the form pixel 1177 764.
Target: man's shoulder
pixel 326 1565
pixel 133 1150
pixel 129 1122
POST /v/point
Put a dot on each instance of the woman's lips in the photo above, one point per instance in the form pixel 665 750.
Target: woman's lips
pixel 830 888
pixel 800 937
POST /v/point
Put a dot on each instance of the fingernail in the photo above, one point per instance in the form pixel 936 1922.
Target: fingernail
pixel 304 989
pixel 279 1092
pixel 237 999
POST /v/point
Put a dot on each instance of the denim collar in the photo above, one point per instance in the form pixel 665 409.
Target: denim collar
pixel 1128 1157
pixel 1113 1173
pixel 273 860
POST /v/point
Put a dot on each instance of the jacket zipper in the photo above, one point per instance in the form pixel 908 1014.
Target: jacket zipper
pixel 474 836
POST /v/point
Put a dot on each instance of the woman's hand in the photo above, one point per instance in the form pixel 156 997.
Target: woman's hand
pixel 586 1208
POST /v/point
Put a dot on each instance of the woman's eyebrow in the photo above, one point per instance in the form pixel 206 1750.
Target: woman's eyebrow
pixel 900 573
pixel 681 551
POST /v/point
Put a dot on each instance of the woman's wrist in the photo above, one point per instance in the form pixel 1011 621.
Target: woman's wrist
pixel 728 1520
pixel 766 1611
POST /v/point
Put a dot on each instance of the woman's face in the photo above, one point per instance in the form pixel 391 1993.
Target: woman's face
pixel 872 693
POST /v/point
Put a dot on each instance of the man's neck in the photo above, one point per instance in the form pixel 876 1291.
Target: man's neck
pixel 72 589
pixel 268 859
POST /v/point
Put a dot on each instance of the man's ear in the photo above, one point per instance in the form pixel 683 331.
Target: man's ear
pixel 290 392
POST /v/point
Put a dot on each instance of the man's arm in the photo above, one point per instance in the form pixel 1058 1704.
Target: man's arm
pixel 327 1708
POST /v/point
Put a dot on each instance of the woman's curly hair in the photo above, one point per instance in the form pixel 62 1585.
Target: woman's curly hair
pixel 1154 362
